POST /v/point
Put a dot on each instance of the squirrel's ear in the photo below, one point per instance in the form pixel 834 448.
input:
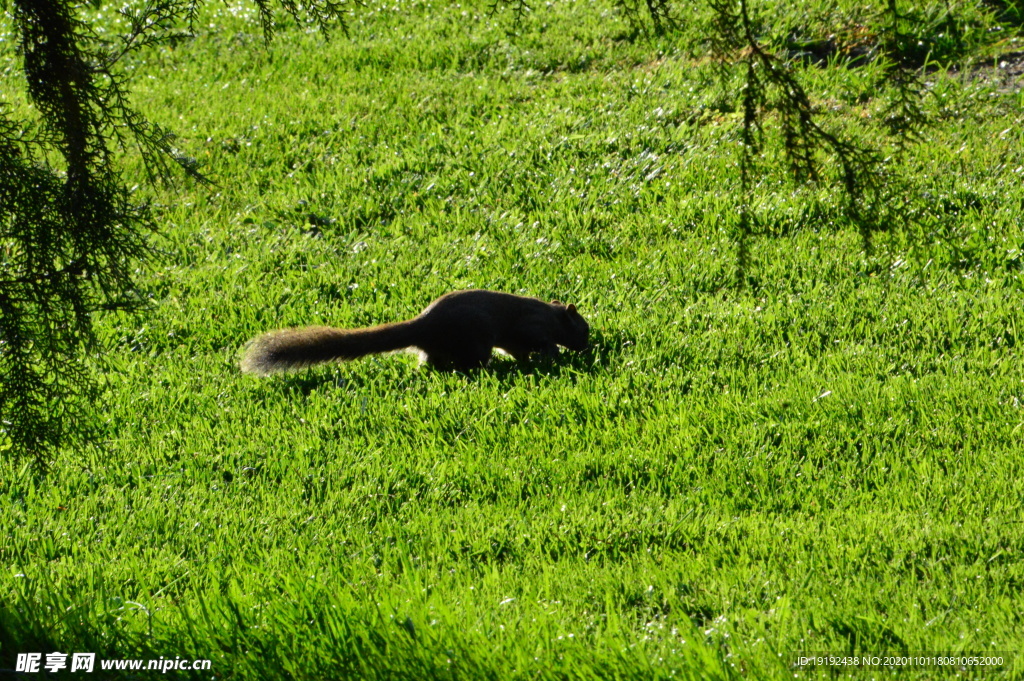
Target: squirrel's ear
pixel 556 302
pixel 572 308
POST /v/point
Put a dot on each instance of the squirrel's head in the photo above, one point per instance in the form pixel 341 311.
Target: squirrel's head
pixel 575 330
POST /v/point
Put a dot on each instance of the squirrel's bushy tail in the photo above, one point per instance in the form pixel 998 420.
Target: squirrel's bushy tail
pixel 297 348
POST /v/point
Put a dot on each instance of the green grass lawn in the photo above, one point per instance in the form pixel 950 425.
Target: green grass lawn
pixel 827 457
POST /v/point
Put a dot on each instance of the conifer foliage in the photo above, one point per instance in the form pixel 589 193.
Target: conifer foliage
pixel 72 234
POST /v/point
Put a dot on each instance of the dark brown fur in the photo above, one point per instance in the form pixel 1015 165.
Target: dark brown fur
pixel 457 331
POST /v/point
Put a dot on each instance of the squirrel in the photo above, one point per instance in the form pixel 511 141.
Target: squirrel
pixel 455 332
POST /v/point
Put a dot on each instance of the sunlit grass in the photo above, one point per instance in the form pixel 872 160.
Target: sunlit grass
pixel 825 458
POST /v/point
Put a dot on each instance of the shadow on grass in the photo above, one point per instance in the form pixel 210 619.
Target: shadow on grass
pixel 604 350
